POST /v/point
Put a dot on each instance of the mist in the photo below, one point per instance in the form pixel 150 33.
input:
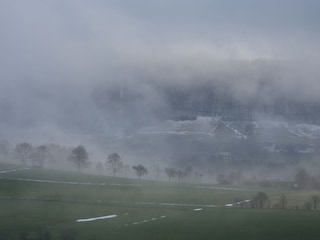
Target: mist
pixel 108 74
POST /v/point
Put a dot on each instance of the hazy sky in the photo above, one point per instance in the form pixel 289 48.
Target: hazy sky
pixel 53 54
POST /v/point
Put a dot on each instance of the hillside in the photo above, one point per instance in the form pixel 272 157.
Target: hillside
pixel 208 140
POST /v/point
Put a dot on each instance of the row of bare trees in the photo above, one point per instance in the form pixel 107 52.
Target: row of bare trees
pixel 81 158
pixel 182 173
pixel 261 200
pixel 36 154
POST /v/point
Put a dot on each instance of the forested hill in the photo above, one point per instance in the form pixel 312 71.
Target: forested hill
pixel 205 101
pixel 251 92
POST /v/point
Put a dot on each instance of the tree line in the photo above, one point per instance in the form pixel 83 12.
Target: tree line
pixel 36 156
pixel 78 157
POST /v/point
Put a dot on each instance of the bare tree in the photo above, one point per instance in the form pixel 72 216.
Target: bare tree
pixel 23 151
pixel 180 174
pixel 261 198
pixel 171 172
pixel 39 155
pixel 114 163
pixel 80 157
pixel 58 154
pixel 188 171
pixel 140 170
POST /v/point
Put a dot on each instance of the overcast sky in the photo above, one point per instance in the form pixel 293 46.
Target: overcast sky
pixel 54 53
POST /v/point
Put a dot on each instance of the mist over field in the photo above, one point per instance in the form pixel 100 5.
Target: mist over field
pixel 175 83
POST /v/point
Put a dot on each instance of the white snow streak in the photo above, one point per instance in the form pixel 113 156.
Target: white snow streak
pixel 186 205
pixel 171 204
pixel 224 188
pixel 96 218
pixel 13 170
pixel 197 209
pixel 237 203
pixel 146 220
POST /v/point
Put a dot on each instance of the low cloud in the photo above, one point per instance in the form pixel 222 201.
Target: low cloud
pixel 61 60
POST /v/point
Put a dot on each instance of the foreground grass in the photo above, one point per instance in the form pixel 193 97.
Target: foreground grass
pixel 34 220
pixel 49 210
pixel 109 189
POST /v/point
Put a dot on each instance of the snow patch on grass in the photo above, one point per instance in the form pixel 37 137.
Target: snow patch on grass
pixel 146 220
pixel 13 170
pixel 197 209
pixel 186 205
pixel 237 203
pixel 96 218
pixel 224 188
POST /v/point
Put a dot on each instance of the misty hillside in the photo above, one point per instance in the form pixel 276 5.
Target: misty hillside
pixel 225 95
pixel 208 142
pixel 189 82
pixel 265 130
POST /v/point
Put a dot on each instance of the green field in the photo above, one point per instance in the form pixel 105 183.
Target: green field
pixel 49 209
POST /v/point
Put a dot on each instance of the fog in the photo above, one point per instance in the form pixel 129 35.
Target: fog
pixel 77 72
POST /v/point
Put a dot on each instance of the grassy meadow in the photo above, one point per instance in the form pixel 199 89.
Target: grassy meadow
pixel 46 204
